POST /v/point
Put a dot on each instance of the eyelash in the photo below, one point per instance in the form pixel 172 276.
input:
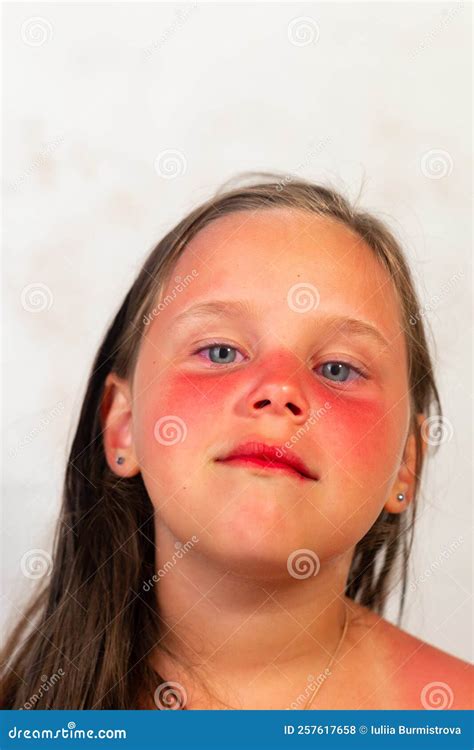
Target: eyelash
pixel 213 365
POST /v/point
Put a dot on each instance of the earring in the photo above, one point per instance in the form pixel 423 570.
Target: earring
pixel 120 459
pixel 400 496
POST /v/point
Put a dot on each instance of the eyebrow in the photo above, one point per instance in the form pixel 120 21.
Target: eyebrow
pixel 237 308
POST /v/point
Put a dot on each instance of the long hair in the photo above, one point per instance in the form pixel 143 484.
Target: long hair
pixel 90 631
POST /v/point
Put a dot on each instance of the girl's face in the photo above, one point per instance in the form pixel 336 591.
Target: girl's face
pixel 275 289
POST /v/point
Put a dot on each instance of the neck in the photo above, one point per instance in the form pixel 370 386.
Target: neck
pixel 245 631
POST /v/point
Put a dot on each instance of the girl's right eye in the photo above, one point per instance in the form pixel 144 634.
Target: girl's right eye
pixel 220 353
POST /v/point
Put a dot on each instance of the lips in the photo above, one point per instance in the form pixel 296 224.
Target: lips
pixel 272 457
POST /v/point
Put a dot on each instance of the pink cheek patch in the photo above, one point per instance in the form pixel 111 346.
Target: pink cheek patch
pixel 195 392
pixel 182 410
pixel 356 432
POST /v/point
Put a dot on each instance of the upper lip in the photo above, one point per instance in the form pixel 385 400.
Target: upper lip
pixel 276 454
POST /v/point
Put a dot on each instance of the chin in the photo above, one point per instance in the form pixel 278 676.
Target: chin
pixel 257 530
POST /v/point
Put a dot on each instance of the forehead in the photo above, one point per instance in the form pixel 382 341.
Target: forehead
pixel 259 256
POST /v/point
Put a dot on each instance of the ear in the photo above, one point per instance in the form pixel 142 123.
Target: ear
pixel 116 420
pixel 406 474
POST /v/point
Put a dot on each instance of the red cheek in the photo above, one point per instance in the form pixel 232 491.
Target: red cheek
pixel 181 410
pixel 192 393
pixel 357 432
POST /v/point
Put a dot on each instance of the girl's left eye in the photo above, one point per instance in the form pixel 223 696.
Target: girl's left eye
pixel 221 354
pixel 337 371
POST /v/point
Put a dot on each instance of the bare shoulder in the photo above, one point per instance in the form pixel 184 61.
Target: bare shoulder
pixel 417 674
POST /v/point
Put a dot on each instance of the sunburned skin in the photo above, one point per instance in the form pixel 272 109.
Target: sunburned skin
pixel 357 444
pixel 234 607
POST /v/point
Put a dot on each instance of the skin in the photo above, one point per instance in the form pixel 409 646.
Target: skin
pixel 232 614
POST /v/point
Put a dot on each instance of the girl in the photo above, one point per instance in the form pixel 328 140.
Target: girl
pixel 242 486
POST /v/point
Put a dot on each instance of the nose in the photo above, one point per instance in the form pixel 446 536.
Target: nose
pixel 279 398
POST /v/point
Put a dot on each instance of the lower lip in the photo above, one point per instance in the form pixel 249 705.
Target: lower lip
pixel 263 464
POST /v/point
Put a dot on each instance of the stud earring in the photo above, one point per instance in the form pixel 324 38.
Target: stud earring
pixel 120 459
pixel 400 496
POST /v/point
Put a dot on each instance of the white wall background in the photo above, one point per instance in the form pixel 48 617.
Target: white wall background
pixel 356 93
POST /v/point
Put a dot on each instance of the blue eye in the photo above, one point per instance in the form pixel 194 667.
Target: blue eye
pixel 220 354
pixel 338 371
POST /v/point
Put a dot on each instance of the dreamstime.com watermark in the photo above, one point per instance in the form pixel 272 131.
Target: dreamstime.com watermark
pixel 180 285
pixel 303 297
pixel 181 18
pixel 302 31
pixel 436 164
pixel 312 154
pixel 46 684
pixel 436 299
pixel 437 696
pixel 36 563
pixel 303 563
pixel 41 158
pixel 170 696
pixel 313 684
pixel 69 732
pixel 315 415
pixel 181 550
pixel 170 163
pixel 32 434
pixel 430 36
pixel 36 31
pixel 36 297
pixel 435 565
